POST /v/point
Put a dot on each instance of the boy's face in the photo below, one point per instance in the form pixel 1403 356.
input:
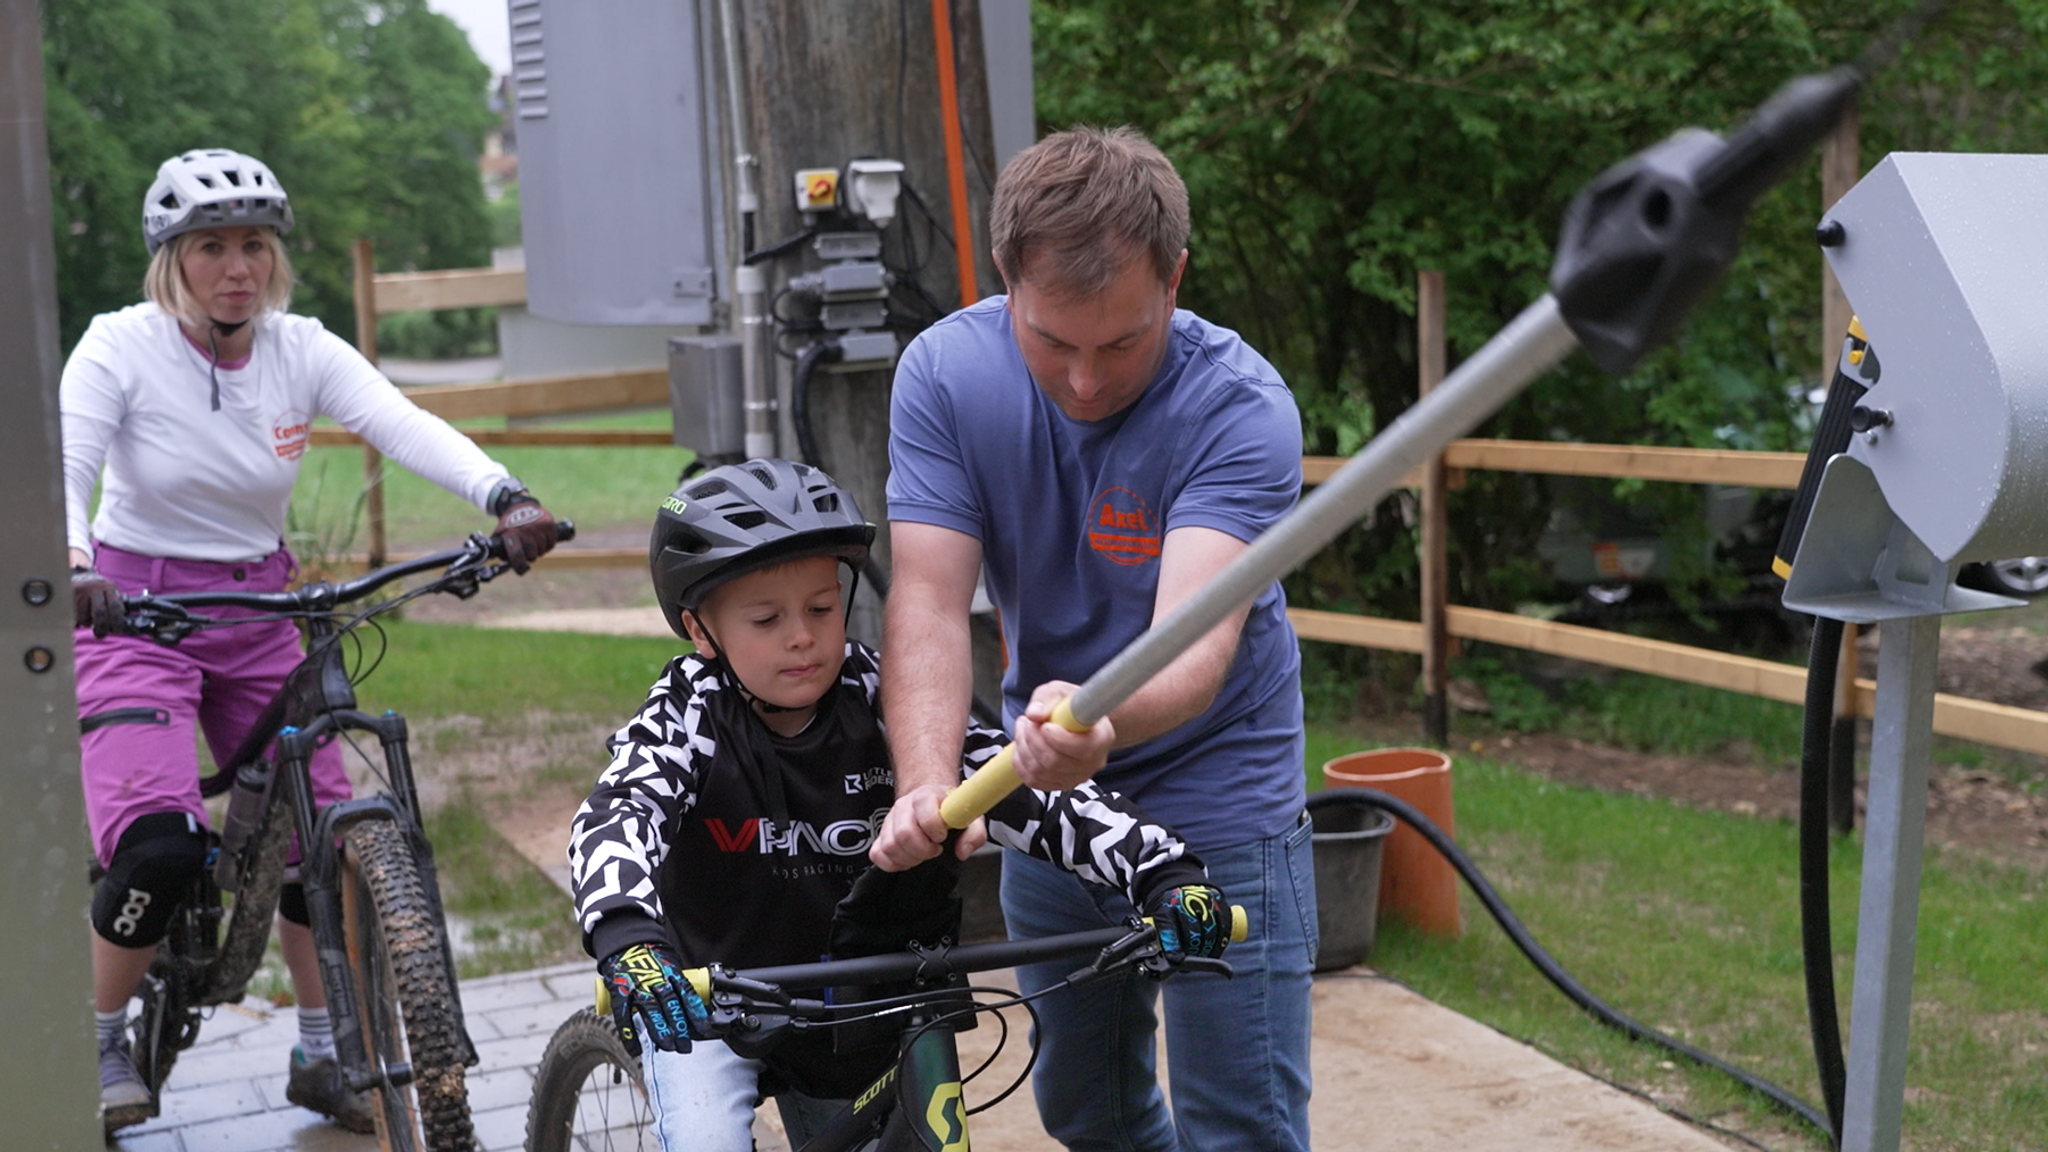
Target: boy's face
pixel 780 629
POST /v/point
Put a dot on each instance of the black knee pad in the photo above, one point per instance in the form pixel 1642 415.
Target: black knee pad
pixel 154 865
pixel 291 904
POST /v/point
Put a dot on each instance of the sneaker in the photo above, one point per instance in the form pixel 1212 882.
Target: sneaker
pixel 125 1100
pixel 316 1084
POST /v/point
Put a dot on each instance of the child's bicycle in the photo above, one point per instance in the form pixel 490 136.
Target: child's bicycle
pixel 588 1095
pixel 368 870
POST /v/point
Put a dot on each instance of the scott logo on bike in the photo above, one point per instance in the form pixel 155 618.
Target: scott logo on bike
pixel 131 912
pixel 839 838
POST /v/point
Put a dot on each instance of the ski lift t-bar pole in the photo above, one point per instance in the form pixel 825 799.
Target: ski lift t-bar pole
pixel 1640 245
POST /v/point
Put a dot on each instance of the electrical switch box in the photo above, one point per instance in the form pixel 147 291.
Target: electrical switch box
pixel 618 195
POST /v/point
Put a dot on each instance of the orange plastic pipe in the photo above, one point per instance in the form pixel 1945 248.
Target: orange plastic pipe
pixel 956 169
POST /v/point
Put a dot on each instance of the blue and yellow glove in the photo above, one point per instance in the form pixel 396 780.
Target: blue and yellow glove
pixel 1192 920
pixel 647 980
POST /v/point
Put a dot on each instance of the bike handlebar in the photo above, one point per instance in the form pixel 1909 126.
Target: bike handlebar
pixel 474 555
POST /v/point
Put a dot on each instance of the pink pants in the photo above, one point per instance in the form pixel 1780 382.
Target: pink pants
pixel 216 679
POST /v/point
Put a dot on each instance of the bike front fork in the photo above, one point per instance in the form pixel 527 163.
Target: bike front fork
pixel 321 873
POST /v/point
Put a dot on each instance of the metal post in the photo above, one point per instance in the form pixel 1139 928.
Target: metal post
pixel 1895 819
pixel 47 1084
pixel 366 343
pixel 1436 528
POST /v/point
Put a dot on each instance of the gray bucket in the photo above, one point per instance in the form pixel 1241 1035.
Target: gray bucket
pixel 1346 845
pixel 981 901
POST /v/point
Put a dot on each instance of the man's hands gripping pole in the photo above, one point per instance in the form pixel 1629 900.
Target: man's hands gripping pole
pixel 1051 751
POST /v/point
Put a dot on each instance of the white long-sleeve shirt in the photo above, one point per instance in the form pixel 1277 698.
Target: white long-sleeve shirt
pixel 185 481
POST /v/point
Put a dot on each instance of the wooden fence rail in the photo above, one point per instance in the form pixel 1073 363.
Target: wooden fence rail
pixel 1980 721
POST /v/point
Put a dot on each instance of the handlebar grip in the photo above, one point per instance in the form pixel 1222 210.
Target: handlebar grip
pixel 604 997
pixel 1240 924
pixel 996 779
pixel 565 531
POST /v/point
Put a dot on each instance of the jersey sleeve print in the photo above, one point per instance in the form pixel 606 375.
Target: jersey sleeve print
pixel 618 837
pixel 1094 833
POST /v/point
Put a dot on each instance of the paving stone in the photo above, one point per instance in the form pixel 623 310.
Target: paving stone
pixel 483 997
pixel 535 1019
pixel 133 1140
pixel 500 1088
pixel 501 1128
pixel 208 1063
pixel 227 1098
pixel 295 1129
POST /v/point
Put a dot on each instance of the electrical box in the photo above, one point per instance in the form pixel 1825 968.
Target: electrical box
pixel 706 392
pixel 617 188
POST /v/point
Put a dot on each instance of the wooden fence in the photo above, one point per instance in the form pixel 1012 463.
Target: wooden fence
pixel 1442 624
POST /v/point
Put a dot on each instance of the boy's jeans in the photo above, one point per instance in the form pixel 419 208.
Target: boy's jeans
pixel 704 1100
pixel 1238 1048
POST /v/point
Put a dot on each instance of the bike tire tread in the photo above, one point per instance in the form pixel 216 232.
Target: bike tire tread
pixel 424 986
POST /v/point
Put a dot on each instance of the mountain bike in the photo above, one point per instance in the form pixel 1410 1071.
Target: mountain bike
pixel 368 870
pixel 588 1094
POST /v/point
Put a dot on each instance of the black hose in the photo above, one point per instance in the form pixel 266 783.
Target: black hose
pixel 807 361
pixel 1815 933
pixel 1594 1006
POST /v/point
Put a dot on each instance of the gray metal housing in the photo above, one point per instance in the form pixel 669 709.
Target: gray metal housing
pixel 617 195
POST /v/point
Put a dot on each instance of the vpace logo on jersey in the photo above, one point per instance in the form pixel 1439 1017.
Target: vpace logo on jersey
pixel 769 838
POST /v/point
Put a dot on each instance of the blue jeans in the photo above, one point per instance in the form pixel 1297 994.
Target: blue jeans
pixel 1237 1049
pixel 704 1099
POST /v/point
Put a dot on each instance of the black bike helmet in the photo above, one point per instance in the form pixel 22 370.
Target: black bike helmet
pixel 739 518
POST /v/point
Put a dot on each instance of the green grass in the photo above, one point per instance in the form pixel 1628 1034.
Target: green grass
pixel 1634 711
pixel 1688 921
pixel 595 487
pixel 441 670
pixel 505 915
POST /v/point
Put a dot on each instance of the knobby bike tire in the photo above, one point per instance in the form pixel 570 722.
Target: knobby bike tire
pixel 587 1094
pixel 404 992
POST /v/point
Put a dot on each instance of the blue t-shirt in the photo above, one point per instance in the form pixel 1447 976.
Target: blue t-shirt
pixel 1071 514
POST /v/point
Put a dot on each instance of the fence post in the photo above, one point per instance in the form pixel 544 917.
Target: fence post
pixel 366 343
pixel 1841 166
pixel 1436 583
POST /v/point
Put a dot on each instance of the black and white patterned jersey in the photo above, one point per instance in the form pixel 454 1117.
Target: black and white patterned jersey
pixel 733 843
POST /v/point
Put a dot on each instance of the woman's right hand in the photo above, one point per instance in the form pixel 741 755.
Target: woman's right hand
pixel 96 602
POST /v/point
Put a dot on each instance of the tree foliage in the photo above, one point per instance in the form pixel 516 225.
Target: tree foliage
pixel 1332 148
pixel 371 112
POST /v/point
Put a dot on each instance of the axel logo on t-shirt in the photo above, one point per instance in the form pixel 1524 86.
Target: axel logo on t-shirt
pixel 289 434
pixel 1122 528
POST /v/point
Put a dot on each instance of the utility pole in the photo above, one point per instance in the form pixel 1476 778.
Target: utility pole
pixel 827 83
pixel 47 1084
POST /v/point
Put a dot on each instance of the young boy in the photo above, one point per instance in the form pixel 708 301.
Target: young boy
pixel 743 796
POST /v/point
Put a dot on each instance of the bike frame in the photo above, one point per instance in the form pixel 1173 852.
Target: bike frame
pixel 923 1087
pixel 316 703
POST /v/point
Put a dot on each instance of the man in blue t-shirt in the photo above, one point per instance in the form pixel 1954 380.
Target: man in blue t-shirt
pixel 1100 455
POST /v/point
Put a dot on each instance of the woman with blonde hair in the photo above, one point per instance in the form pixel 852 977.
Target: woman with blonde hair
pixel 193 411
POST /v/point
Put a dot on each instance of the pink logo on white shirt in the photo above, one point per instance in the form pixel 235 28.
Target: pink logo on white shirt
pixel 290 433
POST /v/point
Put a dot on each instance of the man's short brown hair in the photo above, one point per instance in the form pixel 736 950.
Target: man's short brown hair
pixel 1073 209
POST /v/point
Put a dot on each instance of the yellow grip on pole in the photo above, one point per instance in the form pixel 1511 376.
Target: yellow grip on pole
pixel 998 778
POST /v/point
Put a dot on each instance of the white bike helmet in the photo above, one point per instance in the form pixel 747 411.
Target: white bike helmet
pixel 212 188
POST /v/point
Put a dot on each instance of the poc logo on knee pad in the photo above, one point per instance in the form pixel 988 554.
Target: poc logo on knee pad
pixel 131 912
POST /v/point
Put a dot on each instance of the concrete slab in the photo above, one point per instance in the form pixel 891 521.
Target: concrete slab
pixel 1393 1071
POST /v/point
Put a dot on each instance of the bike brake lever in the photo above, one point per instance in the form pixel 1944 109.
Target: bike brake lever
pixel 752 990
pixel 1207 964
pixel 1126 950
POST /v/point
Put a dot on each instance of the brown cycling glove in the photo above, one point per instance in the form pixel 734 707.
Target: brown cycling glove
pixel 526 528
pixel 96 603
